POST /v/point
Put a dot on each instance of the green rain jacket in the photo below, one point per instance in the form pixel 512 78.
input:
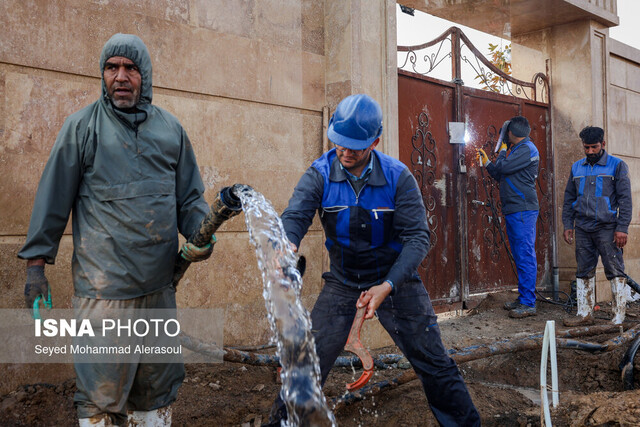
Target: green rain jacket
pixel 132 182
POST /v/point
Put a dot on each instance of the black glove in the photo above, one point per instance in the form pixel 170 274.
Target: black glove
pixel 37 285
pixel 301 266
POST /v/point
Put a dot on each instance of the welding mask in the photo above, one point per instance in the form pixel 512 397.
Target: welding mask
pixel 504 136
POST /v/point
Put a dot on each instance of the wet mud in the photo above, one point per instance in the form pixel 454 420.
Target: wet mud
pixel 505 388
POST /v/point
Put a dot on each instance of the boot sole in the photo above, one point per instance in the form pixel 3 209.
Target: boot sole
pixel 521 315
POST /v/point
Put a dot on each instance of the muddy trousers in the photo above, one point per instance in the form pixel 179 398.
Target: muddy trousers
pixel 521 231
pixel 410 320
pixel 115 388
pixel 591 244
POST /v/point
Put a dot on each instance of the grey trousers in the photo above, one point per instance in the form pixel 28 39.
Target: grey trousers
pixel 591 244
pixel 114 388
pixel 410 320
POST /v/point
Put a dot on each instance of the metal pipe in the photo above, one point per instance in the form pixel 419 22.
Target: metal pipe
pixel 581 345
pixel 633 284
pixel 235 355
pixel 555 280
pixel 226 205
pixel 513 346
pixel 623 338
pixel 382 361
pixel 385 361
pixel 254 347
pixel 467 354
pixel 591 330
pixel 371 390
pixel 626 365
pixel 227 354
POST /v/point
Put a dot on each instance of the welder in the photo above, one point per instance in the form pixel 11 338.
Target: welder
pixel 516 169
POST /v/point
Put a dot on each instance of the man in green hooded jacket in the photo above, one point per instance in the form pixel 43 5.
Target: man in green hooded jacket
pixel 127 171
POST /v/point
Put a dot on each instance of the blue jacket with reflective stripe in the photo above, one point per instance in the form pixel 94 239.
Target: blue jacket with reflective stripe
pixel 598 195
pixel 379 234
pixel 517 175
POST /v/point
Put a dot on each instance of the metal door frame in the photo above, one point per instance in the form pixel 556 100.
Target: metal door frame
pixel 536 92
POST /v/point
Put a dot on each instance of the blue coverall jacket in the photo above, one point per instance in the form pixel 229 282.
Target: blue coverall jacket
pixel 379 234
pixel 517 175
pixel 598 196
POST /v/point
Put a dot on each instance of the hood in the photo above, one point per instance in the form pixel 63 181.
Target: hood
pixel 133 48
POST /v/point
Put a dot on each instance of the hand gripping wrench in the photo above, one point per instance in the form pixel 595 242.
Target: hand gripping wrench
pixel 354 345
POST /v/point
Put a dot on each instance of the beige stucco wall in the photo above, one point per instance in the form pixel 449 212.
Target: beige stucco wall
pixel 360 42
pixel 594 81
pixel 247 83
pixel 623 100
pixel 251 81
pixel 247 87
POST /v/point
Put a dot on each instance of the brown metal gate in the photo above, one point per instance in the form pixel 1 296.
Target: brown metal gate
pixel 470 254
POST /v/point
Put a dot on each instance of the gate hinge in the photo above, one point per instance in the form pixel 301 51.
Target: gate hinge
pixel 457 81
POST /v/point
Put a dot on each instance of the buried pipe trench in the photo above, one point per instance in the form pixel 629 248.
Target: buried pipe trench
pixel 386 361
pixel 531 342
pixel 564 339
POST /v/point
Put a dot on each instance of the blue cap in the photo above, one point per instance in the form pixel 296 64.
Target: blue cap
pixel 356 123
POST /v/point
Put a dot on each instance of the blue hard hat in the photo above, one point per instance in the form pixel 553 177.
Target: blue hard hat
pixel 356 123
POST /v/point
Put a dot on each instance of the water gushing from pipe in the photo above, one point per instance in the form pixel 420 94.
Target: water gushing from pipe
pixel 289 320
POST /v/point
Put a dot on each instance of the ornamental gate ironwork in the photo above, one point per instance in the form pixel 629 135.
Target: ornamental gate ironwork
pixel 470 253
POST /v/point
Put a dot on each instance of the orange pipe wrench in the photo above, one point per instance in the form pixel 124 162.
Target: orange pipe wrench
pixel 354 345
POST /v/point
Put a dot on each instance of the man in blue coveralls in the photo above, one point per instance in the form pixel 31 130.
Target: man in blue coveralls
pixel 374 219
pixel 597 207
pixel 517 171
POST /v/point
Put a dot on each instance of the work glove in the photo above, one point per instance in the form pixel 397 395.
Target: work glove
pixel 483 159
pixel 192 253
pixel 37 285
pixel 503 146
pixel 301 265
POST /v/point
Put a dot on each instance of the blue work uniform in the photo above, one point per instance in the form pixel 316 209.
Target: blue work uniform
pixel 375 234
pixel 517 172
pixel 597 203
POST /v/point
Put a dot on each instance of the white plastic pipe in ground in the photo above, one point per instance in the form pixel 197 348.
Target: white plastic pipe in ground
pixel 548 347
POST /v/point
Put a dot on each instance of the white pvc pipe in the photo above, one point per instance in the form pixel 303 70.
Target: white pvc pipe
pixel 554 363
pixel 548 346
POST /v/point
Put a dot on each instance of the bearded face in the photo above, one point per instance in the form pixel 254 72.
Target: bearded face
pixel 593 151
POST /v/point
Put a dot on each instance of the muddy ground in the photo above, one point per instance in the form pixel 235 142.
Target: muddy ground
pixel 505 388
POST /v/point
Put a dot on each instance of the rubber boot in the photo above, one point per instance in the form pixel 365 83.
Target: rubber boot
pixel 620 299
pixel 586 295
pixel 160 417
pixel 100 420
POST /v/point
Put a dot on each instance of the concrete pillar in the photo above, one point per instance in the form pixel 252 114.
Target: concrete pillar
pixel 360 49
pixel 576 55
pixel 360 53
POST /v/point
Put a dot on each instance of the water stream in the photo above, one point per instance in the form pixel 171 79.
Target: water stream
pixel 290 321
